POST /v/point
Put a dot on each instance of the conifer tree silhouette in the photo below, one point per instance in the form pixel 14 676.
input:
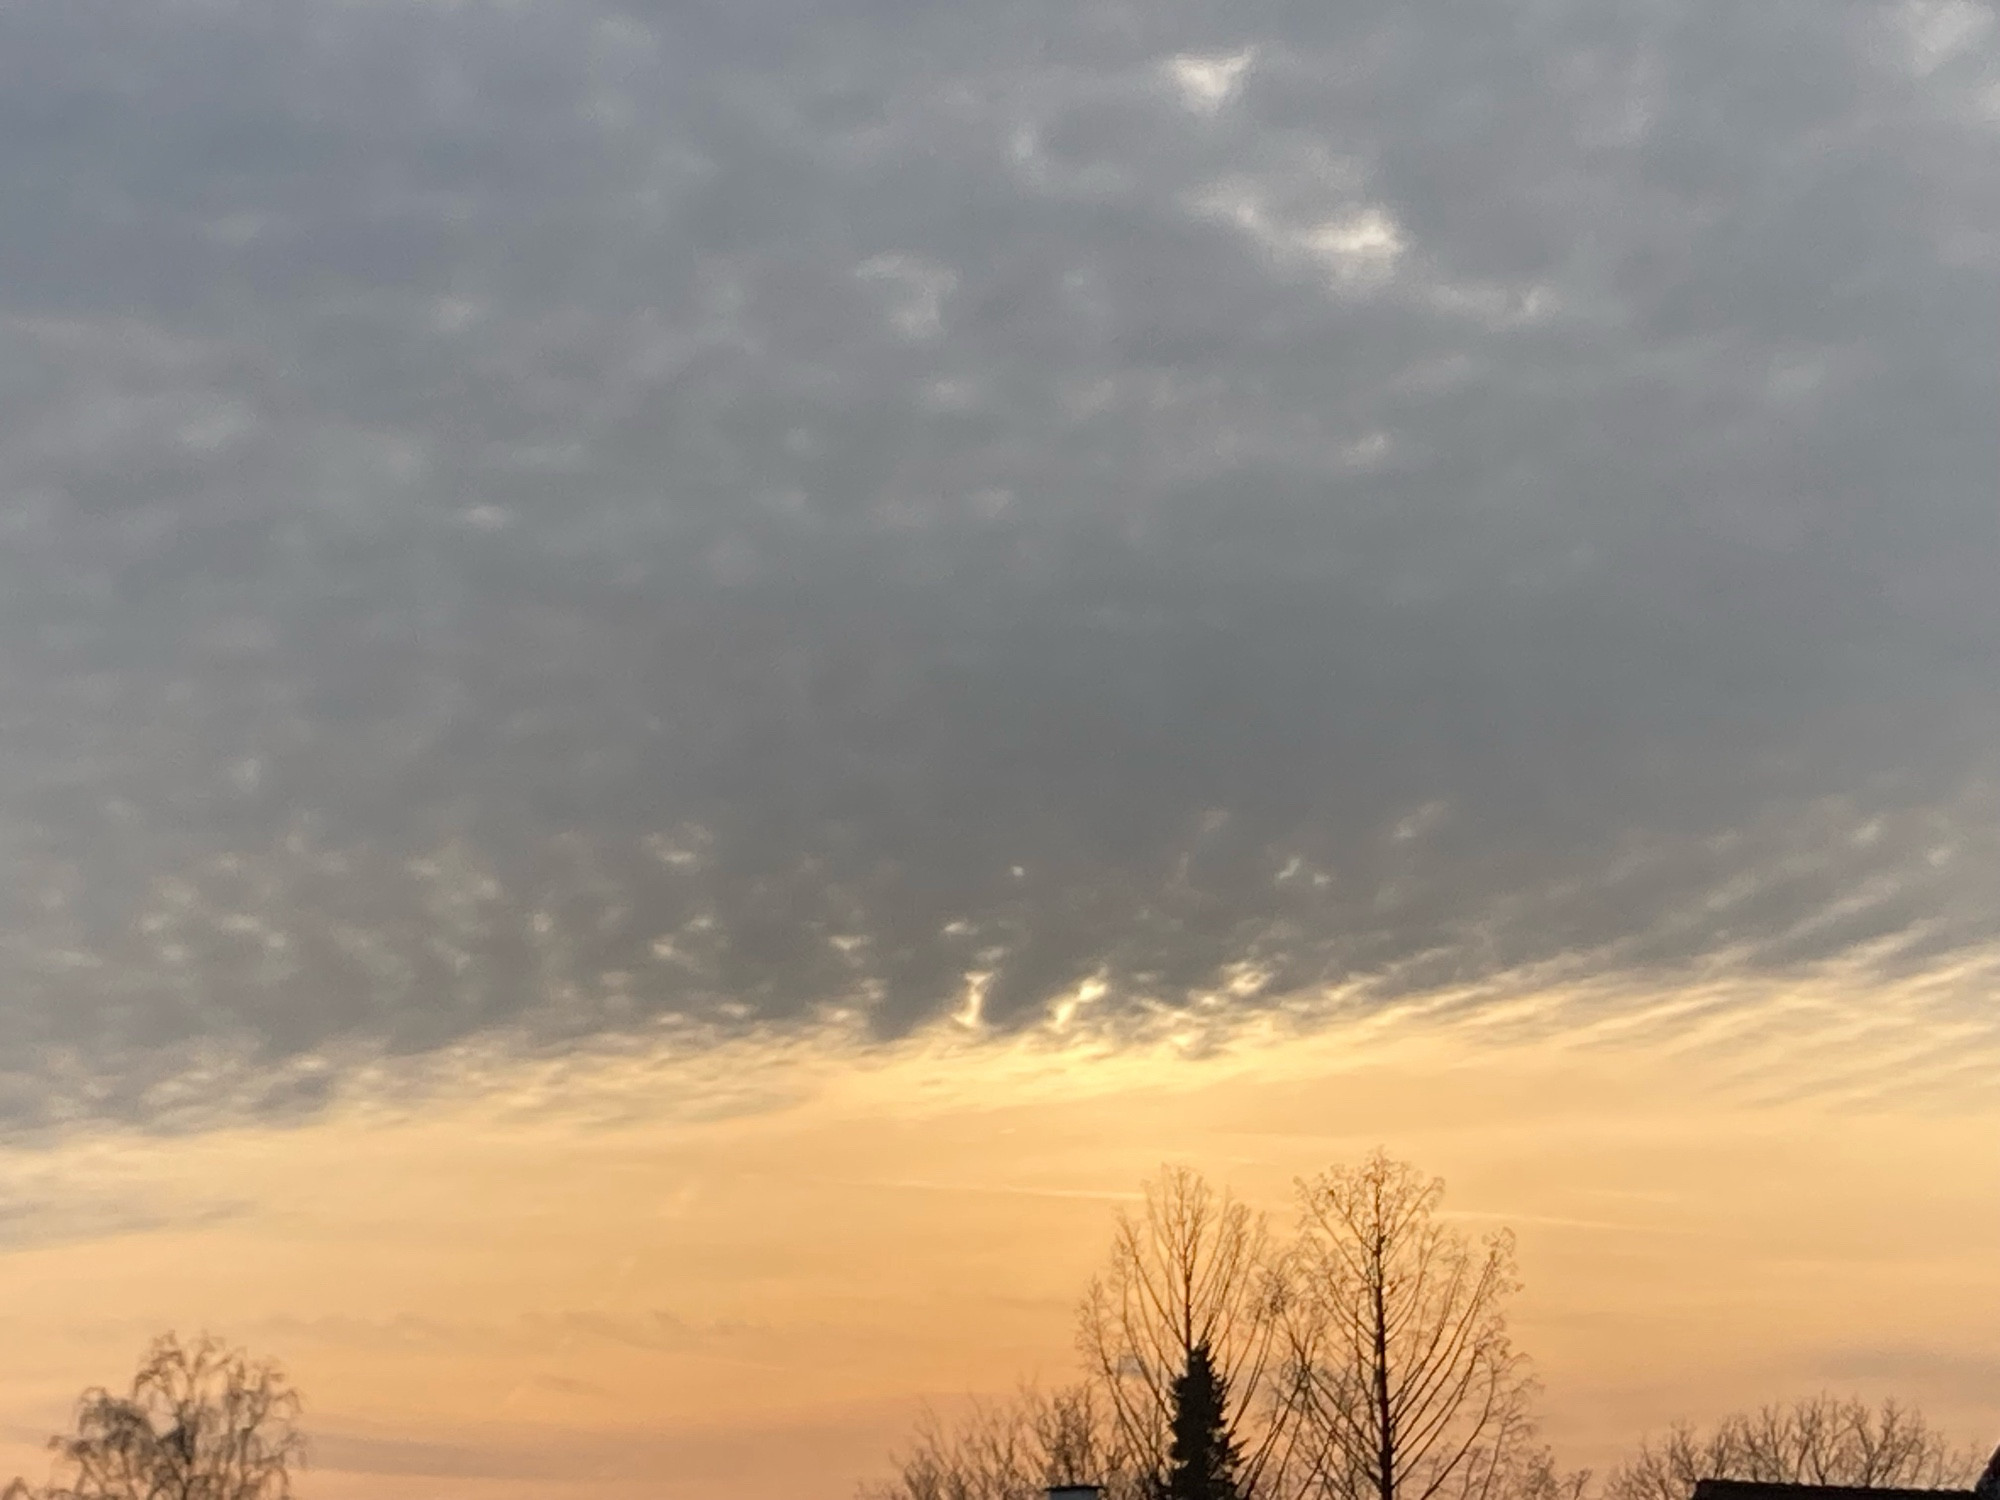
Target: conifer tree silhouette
pixel 1202 1465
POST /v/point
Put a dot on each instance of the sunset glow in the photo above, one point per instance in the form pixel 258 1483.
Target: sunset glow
pixel 682 682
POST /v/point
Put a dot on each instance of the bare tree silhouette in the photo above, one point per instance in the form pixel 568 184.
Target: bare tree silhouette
pixel 1012 1450
pixel 1193 1270
pixel 202 1421
pixel 1411 1389
pixel 1823 1439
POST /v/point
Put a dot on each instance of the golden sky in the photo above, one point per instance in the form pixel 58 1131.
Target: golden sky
pixel 680 680
pixel 736 1271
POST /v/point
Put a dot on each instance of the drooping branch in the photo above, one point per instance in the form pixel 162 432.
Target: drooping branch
pixel 201 1422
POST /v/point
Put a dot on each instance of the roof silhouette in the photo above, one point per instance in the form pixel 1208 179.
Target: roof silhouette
pixel 1752 1489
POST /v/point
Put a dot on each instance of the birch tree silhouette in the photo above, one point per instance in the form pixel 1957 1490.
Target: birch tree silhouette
pixel 202 1421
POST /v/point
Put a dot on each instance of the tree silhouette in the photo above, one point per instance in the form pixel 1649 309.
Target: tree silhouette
pixel 1411 1389
pixel 1202 1463
pixel 202 1422
pixel 1012 1450
pixel 1821 1440
pixel 1194 1270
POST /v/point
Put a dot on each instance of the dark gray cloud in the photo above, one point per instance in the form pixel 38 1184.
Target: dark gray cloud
pixel 543 516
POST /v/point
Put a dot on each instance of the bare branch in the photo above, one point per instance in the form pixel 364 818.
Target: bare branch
pixel 1194 1268
pixel 1823 1439
pixel 1013 1450
pixel 202 1422
pixel 1398 1337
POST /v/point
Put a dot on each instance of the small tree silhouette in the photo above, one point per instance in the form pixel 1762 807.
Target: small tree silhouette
pixel 202 1422
pixel 1202 1463
pixel 1823 1439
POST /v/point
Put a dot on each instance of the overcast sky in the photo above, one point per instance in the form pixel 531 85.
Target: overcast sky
pixel 545 515
pixel 527 526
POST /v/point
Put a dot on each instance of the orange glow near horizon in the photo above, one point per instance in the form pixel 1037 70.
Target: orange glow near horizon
pixel 738 1271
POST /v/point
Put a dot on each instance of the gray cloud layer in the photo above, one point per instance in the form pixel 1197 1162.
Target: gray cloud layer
pixel 547 515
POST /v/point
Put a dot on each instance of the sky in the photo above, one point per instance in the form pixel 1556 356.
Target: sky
pixel 680 681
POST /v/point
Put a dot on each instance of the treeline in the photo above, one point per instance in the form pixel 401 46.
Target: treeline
pixel 1364 1357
